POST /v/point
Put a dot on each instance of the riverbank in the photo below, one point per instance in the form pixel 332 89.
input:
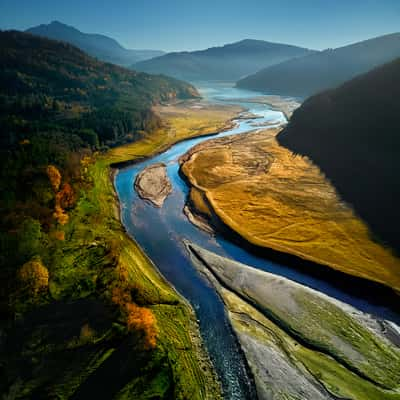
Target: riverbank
pixel 182 121
pixel 291 353
pixel 178 330
pixel 276 200
pixel 188 368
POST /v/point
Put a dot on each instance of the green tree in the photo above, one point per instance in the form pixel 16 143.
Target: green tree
pixel 29 238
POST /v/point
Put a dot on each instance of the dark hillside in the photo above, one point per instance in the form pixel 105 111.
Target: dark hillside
pixel 353 134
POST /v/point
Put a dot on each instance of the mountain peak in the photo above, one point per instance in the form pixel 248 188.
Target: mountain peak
pixel 55 22
pixel 60 25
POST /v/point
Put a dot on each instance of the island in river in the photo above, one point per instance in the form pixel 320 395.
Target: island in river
pixel 153 184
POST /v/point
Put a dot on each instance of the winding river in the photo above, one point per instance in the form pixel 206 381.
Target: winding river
pixel 160 232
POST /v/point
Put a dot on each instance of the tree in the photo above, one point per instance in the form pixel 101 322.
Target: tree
pixel 34 277
pixel 142 319
pixel 54 176
pixel 29 238
pixel 138 319
pixel 60 215
pixel 89 136
pixel 65 198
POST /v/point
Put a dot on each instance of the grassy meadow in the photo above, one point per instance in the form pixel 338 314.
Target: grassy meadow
pixel 275 199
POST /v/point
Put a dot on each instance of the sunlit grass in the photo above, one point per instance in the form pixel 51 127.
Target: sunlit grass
pixel 277 200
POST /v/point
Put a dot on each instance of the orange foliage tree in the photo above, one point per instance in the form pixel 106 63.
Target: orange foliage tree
pixel 34 277
pixel 87 334
pixel 65 198
pixel 142 319
pixel 138 319
pixel 59 235
pixel 54 176
pixel 60 215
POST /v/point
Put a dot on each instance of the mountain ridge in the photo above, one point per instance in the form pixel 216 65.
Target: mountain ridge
pixel 97 45
pixel 308 75
pixel 228 62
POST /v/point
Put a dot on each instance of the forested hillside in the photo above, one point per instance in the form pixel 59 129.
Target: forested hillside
pixel 58 105
pixel 67 299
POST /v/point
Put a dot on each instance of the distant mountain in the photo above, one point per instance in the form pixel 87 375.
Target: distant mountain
pixel 352 134
pixel 319 71
pixel 229 62
pixel 99 46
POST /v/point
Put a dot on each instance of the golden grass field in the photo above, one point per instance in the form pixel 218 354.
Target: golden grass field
pixel 279 200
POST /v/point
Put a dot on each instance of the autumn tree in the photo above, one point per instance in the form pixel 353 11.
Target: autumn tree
pixel 34 277
pixel 60 215
pixel 54 176
pixel 87 334
pixel 138 319
pixel 142 319
pixel 65 198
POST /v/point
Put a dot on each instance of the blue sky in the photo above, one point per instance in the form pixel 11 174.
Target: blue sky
pixel 186 24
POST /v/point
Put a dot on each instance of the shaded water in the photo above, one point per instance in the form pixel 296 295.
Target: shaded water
pixel 160 232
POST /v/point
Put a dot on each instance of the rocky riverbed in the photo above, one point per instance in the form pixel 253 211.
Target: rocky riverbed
pixel 299 343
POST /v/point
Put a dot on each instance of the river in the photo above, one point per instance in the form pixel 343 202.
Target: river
pixel 160 232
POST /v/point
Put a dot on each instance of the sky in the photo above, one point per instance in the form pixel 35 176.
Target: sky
pixel 174 25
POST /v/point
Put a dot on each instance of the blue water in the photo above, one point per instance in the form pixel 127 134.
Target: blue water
pixel 160 232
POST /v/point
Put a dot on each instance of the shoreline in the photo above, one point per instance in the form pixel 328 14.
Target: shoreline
pixel 136 160
pixel 194 328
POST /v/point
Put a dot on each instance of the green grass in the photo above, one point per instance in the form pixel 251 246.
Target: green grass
pixel 335 377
